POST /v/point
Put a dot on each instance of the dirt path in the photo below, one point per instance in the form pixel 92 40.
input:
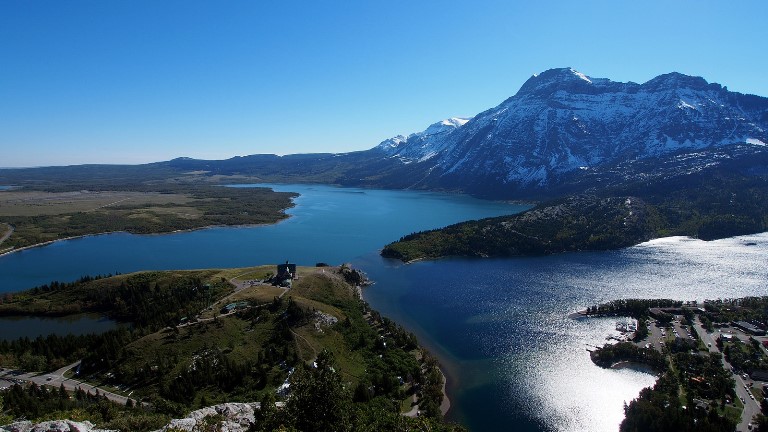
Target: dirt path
pixel 110 204
pixel 314 350
pixel 8 232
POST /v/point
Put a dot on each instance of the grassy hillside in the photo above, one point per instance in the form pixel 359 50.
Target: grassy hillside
pixel 577 223
pixel 182 354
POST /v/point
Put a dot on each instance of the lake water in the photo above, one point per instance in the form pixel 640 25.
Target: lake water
pixel 499 326
pixel 328 224
pixel 31 327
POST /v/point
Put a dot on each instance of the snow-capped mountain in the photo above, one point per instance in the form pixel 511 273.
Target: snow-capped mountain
pixel 563 132
pixel 562 121
pixel 422 146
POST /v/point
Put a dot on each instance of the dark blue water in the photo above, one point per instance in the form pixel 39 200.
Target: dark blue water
pixel 31 327
pixel 499 326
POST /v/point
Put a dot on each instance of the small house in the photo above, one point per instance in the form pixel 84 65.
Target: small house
pixel 286 271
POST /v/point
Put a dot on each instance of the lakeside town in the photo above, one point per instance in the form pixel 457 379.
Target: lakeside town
pixel 711 357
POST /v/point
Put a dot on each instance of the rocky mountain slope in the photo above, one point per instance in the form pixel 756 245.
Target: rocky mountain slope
pixel 563 125
pixel 563 132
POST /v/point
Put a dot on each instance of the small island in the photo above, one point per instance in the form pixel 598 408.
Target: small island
pixel 711 358
pixel 296 347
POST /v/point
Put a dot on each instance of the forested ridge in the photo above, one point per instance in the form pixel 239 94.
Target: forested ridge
pixel 696 206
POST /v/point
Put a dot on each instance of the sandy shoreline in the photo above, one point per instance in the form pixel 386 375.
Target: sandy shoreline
pixel 445 406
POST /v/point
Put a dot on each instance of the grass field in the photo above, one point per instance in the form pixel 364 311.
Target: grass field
pixel 40 216
pixel 37 203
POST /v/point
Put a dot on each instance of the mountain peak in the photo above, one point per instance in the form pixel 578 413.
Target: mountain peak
pixel 563 122
pixel 445 125
pixel 677 80
pixel 552 80
pixel 426 141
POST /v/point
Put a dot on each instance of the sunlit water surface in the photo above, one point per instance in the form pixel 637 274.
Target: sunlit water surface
pixel 501 326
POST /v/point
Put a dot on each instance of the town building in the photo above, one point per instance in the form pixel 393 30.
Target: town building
pixel 749 328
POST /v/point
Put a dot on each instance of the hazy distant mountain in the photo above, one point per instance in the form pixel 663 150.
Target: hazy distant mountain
pixel 562 132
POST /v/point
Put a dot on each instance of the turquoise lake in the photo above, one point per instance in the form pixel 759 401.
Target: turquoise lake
pixel 499 326
pixel 328 224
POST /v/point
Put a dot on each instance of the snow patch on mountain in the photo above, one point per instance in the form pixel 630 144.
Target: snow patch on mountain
pixel 421 146
pixel 581 75
pixel 562 120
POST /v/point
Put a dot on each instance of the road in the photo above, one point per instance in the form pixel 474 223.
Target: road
pixel 57 378
pixel 655 338
pixel 6 234
pixel 751 406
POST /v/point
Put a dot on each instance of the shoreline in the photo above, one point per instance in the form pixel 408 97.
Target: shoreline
pixel 50 242
pixel 534 255
pixel 445 405
pixel 635 366
pixel 578 314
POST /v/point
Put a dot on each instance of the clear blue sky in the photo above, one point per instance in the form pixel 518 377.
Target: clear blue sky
pixel 139 81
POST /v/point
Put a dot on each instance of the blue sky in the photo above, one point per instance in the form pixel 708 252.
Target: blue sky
pixel 141 81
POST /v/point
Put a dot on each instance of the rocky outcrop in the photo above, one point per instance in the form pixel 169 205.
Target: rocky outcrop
pixel 52 426
pixel 228 417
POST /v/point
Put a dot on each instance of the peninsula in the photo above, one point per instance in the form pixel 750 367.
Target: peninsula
pixel 301 335
pixel 47 204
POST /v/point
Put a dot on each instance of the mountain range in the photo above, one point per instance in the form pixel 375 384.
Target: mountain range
pixel 563 132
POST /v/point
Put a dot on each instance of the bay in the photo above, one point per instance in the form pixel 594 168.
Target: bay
pixel 515 361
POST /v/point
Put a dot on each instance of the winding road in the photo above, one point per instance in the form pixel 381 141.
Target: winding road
pixel 57 378
pixel 7 234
